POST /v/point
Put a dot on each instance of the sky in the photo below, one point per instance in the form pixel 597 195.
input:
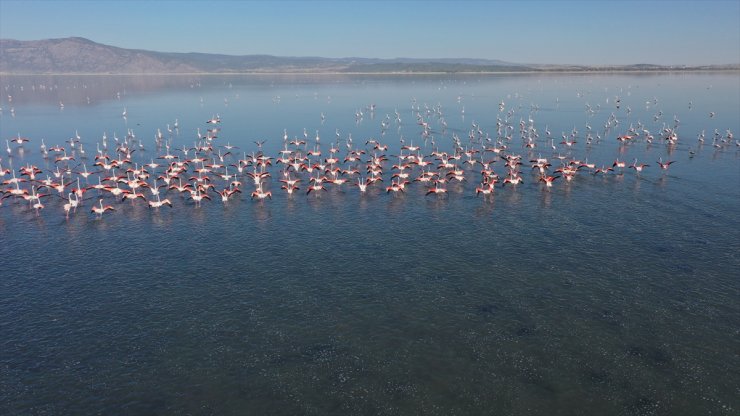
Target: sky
pixel 607 32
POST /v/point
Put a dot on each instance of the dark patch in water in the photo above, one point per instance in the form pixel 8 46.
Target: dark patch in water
pixel 636 351
pixel 525 331
pixel 660 357
pixel 656 357
pixel 625 385
pixel 598 376
pixel 610 317
pixel 683 268
pixel 440 277
pixel 662 249
pixel 460 291
pixel 488 308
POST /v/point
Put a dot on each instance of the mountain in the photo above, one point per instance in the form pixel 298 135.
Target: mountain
pixel 79 55
pixel 82 56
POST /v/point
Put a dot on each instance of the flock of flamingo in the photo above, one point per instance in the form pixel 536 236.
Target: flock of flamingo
pixel 208 170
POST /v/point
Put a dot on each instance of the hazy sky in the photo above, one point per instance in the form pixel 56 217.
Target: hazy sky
pixel 576 32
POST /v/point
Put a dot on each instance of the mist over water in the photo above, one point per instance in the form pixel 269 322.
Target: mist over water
pixel 610 294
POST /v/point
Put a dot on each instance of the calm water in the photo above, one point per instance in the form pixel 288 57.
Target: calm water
pixel 609 295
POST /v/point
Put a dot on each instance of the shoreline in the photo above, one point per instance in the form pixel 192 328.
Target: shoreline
pixel 333 73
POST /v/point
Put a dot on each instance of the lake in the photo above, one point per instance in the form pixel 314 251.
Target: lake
pixel 611 293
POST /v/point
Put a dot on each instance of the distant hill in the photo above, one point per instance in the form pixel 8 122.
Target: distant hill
pixel 82 56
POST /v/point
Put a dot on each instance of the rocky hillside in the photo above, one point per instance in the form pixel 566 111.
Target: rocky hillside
pixel 78 55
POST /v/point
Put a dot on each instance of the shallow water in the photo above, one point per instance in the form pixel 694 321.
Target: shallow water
pixel 607 295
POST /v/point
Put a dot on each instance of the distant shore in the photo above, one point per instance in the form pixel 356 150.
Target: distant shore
pixel 80 56
pixel 393 73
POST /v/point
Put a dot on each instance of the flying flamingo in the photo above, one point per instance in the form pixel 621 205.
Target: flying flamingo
pixel 665 165
pixel 101 209
pixel 548 180
pixel 160 202
pixel 638 167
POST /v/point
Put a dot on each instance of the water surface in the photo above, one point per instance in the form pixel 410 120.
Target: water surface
pixel 611 294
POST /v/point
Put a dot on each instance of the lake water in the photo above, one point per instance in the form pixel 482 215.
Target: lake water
pixel 611 294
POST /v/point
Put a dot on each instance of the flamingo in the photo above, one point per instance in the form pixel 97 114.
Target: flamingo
pixel 290 188
pixel 159 203
pixel 362 184
pixel 260 194
pixel 17 191
pixel 197 196
pixel 548 180
pixel 514 180
pixel 132 196
pixel 396 187
pixel 317 186
pixel 100 210
pixel 71 205
pixel 436 190
pixel 19 140
pixel 619 164
pixel 37 206
pixel 33 196
pixel 485 189
pixel 603 170
pixel 665 165
pixel 4 172
pixel 227 193
pixel 638 168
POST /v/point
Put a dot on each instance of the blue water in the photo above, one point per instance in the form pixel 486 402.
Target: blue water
pixel 611 295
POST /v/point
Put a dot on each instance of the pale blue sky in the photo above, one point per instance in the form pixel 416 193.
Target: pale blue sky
pixel 560 32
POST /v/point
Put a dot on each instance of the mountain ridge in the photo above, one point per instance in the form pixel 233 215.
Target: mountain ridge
pixel 77 55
